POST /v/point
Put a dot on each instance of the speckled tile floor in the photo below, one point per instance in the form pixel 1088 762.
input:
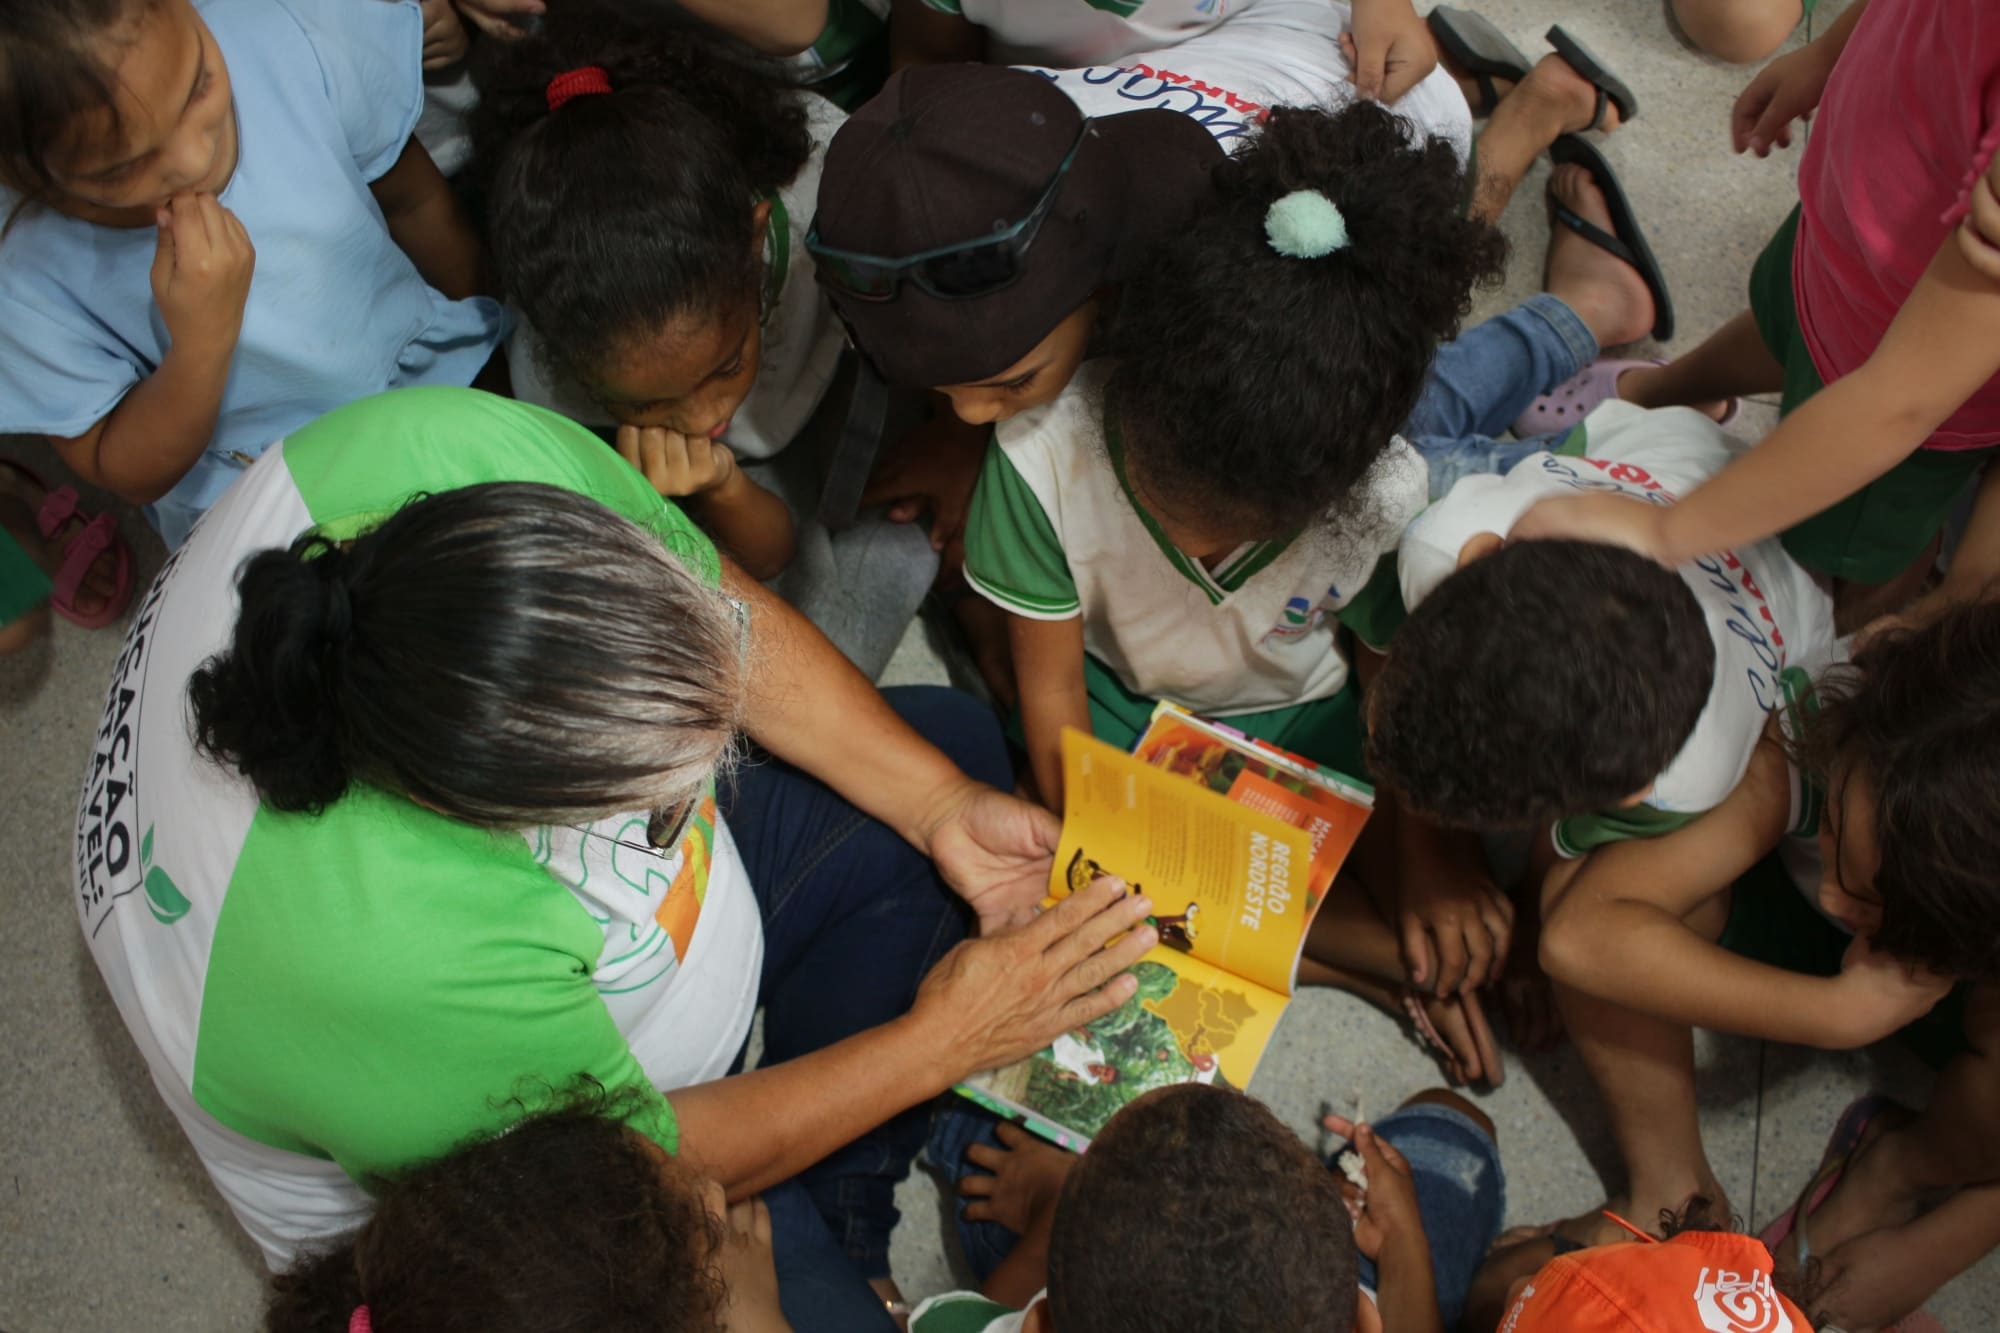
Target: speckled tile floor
pixel 107 1222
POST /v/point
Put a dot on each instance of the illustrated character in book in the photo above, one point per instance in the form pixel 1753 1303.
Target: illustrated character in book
pixel 1178 932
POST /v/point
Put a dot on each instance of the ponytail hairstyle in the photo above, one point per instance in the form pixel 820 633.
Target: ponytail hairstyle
pixel 620 211
pixel 567 1220
pixel 1916 718
pixel 1268 351
pixel 506 654
pixel 51 80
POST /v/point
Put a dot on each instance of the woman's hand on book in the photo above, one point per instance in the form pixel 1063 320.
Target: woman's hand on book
pixel 1017 1182
pixel 994 849
pixel 995 999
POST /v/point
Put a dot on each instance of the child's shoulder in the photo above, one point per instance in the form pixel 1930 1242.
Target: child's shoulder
pixel 1056 429
pixel 967 1312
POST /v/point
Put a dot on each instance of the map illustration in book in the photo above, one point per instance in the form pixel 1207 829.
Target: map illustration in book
pixel 1237 844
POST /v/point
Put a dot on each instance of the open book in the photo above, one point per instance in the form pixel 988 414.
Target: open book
pixel 1237 843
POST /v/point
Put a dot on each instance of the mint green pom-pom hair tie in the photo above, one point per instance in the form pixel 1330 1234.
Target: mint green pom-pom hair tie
pixel 1305 224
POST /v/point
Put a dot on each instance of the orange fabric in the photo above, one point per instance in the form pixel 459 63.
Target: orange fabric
pixel 1698 1282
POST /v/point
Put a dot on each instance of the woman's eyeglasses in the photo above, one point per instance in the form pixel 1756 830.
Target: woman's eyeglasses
pixel 971 268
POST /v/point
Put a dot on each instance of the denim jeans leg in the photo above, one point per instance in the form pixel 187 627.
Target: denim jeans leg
pixel 958 1125
pixel 818 1286
pixel 854 917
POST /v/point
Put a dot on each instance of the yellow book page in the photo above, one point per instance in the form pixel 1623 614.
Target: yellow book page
pixel 1228 882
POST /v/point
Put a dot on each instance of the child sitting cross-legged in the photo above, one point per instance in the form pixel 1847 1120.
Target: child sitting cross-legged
pixel 1888 768
pixel 1200 515
pixel 1196 1209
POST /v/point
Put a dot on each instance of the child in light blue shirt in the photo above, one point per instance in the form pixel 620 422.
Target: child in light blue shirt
pixel 220 228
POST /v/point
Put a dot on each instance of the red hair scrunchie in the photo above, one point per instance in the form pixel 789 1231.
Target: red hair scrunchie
pixel 359 1321
pixel 583 81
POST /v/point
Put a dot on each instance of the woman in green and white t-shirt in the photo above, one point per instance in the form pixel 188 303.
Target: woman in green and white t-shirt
pixel 406 896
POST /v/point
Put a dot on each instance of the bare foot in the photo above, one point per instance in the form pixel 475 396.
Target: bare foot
pixel 1594 1228
pixel 1606 292
pixel 1872 1192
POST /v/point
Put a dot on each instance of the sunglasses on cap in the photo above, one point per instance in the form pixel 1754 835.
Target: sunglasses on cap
pixel 955 272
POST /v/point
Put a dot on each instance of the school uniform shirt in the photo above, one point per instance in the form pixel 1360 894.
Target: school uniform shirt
pixel 969 1312
pixel 852 28
pixel 1072 33
pixel 1771 624
pixel 1055 532
pixel 327 93
pixel 1281 53
pixel 321 998
pixel 802 337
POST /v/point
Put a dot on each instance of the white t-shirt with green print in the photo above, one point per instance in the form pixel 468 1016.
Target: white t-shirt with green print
pixel 1055 533
pixel 1074 33
pixel 1772 625
pixel 321 999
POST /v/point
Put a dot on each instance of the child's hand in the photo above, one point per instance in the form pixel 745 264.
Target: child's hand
pixel 932 470
pixel 1979 234
pixel 1616 520
pixel 201 272
pixel 445 39
pixel 1386 1217
pixel 501 18
pixel 1027 1176
pixel 678 466
pixel 1390 47
pixel 1881 994
pixel 749 1271
pixel 1787 90
pixel 1455 931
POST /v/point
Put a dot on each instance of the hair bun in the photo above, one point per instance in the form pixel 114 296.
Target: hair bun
pixel 1305 224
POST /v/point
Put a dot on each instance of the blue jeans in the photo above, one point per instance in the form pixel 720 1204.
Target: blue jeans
pixel 1461 1196
pixel 854 917
pixel 1486 377
pixel 1461 1191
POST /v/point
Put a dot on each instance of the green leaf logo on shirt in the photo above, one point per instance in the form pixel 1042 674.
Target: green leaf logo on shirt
pixel 169 904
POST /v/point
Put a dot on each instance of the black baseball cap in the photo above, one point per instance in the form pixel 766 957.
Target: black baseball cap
pixel 950 153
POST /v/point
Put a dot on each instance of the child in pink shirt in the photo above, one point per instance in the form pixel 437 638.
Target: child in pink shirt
pixel 1866 303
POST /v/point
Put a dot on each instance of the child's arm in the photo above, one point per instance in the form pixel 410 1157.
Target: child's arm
pixel 1789 87
pixel 772 27
pixel 1048 671
pixel 1618 931
pixel 746 520
pixel 1942 347
pixel 425 219
pixel 158 430
pixel 921 35
pixel 1389 1229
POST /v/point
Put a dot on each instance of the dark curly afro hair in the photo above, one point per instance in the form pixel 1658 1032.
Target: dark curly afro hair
pixel 1260 389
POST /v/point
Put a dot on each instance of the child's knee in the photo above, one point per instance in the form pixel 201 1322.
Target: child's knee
pixel 1450 1100
pixel 1739 31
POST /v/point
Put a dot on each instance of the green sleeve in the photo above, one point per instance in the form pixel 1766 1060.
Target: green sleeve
pixel 1580 834
pixel 1377 612
pixel 385 984
pixel 1012 554
pixel 958 1312
pixel 946 6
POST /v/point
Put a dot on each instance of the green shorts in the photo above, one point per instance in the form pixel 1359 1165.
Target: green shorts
pixel 23 584
pixel 1882 529
pixel 1771 922
pixel 1326 731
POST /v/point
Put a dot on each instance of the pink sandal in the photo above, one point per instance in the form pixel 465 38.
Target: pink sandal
pixel 60 510
pixel 1564 408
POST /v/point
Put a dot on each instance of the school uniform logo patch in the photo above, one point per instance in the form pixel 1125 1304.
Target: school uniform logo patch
pixel 1732 1302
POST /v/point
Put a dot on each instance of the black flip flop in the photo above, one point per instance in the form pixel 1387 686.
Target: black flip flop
pixel 1610 88
pixel 1629 241
pixel 1480 49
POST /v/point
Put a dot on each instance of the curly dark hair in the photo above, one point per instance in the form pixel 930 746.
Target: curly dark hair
pixel 1196 1200
pixel 1272 385
pixel 567 1220
pixel 1544 680
pixel 615 214
pixel 1916 717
